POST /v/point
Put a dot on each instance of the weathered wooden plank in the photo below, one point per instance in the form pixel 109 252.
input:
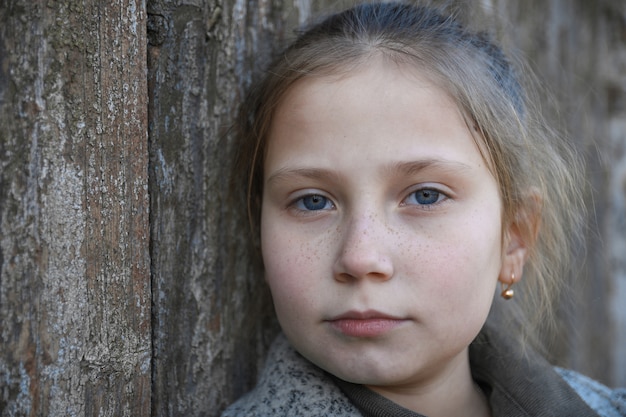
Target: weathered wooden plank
pixel 74 257
pixel 211 308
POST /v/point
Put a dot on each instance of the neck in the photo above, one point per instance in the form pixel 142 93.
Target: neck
pixel 452 392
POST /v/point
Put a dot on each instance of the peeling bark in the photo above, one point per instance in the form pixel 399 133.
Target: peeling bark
pixel 75 285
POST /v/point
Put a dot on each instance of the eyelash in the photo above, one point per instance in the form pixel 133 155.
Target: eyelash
pixel 440 197
pixel 299 204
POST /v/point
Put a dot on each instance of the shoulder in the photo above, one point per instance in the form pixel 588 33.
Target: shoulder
pixel 290 385
pixel 605 401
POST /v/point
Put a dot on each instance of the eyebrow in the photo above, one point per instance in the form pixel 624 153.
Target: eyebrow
pixel 413 167
pixel 310 173
pixel 396 168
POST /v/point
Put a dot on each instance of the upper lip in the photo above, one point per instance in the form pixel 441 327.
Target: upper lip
pixel 364 315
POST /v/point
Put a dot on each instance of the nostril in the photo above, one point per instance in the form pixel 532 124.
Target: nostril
pixel 363 265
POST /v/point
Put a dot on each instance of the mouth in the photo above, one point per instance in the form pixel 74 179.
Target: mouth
pixel 365 324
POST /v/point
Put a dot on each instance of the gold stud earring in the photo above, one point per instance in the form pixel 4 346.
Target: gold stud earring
pixel 508 293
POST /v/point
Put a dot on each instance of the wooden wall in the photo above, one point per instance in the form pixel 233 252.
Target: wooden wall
pixel 126 283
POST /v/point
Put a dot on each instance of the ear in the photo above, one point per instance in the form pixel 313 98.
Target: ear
pixel 520 237
pixel 514 257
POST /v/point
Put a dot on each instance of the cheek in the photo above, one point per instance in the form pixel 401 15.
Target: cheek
pixel 461 285
pixel 462 259
pixel 289 265
pixel 479 263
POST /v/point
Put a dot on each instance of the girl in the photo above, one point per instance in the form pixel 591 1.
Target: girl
pixel 396 173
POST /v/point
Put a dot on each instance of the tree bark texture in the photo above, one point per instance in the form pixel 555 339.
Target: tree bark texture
pixel 115 304
pixel 75 323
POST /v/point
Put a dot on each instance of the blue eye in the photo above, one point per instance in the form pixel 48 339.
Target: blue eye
pixel 314 202
pixel 425 197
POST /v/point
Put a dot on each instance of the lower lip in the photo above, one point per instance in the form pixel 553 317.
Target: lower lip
pixel 366 328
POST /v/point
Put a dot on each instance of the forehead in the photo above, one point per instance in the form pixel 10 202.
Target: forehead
pixel 380 71
pixel 378 81
pixel 386 108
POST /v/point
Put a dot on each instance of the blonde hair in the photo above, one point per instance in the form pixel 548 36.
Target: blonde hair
pixel 537 172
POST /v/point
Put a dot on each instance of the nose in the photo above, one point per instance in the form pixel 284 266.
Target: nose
pixel 364 252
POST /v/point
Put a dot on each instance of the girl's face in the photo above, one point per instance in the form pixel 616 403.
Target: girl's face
pixel 381 227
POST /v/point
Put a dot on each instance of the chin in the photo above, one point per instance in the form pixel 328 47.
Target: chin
pixel 360 371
